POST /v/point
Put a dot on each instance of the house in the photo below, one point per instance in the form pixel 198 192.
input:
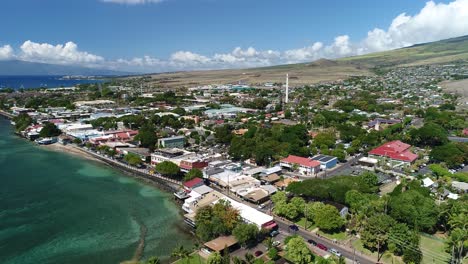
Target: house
pixel 379 123
pixel 326 162
pixel 305 166
pixel 396 151
pixel 427 182
pixel 172 142
pixel 192 163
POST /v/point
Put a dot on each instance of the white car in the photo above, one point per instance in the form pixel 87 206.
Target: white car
pixel 334 252
pixel 276 243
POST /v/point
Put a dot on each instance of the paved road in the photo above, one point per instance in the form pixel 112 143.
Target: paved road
pixel 344 167
pixel 458 139
pixel 284 229
pixel 345 251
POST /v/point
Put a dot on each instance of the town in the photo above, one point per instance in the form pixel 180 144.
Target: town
pixel 368 169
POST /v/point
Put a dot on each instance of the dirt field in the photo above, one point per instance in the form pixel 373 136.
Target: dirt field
pixel 299 74
pixel 459 87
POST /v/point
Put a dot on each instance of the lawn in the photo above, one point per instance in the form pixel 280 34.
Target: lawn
pixel 310 225
pixel 194 259
pixel 433 249
pixel 338 236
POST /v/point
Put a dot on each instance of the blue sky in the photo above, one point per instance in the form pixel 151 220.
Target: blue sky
pixel 189 34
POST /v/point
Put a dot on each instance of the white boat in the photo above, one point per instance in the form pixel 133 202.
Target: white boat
pixel 46 141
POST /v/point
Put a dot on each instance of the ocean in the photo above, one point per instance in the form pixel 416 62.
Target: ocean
pixel 17 82
pixel 58 208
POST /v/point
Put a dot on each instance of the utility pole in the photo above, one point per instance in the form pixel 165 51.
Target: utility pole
pixel 305 214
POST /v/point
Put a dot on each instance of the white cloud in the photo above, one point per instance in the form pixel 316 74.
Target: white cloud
pixel 433 22
pixel 131 2
pixel 6 52
pixel 60 54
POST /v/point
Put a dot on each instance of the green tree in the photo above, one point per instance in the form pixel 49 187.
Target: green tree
pixel 453 154
pixel 153 260
pixel 133 159
pixel 192 174
pixel 370 178
pixel 22 121
pixel 168 169
pixel 49 130
pixel 415 209
pixel 147 136
pixel 181 252
pixel 298 252
pixel 328 218
pixel 279 197
pixel 430 134
pixel 375 233
pixel 215 258
pixel 245 233
pixel 273 254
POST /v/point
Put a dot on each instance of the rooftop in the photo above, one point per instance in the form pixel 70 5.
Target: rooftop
pixel 306 162
pixel 221 242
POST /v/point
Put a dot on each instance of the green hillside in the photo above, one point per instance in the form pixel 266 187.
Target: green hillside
pixel 444 51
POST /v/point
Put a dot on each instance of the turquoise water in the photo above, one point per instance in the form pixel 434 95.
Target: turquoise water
pixel 57 208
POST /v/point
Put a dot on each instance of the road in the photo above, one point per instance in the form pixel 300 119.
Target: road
pixel 345 251
pixel 343 167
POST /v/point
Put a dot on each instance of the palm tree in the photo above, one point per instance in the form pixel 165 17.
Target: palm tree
pixel 153 260
pixel 249 258
pixel 181 252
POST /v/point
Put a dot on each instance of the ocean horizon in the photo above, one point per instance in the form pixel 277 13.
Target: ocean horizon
pixel 41 81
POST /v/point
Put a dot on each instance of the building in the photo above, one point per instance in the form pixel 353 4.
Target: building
pixel 193 183
pixel 396 151
pixel 326 162
pixel 172 142
pixel 305 166
pixel 176 156
pixel 221 243
pixel 142 153
pixel 192 163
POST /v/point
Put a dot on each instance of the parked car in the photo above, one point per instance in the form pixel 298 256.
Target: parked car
pixel 258 253
pixel 276 243
pixel 334 252
pixel 322 247
pixel 274 233
pixel 312 242
pixel 294 227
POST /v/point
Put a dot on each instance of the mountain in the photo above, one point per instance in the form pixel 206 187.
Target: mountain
pixel 17 67
pixel 443 51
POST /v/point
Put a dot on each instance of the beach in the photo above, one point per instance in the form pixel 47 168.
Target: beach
pixel 70 149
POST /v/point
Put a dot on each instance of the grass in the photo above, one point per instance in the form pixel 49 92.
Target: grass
pixel 194 259
pixel 433 249
pixel 338 236
pixel 302 222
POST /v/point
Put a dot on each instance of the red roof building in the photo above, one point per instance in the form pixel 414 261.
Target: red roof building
pixel 193 183
pixel 395 150
pixel 306 165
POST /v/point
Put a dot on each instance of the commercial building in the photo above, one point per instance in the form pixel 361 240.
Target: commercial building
pixel 396 151
pixel 305 166
pixel 326 162
pixel 172 142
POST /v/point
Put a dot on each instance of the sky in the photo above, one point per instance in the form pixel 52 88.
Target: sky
pixel 169 35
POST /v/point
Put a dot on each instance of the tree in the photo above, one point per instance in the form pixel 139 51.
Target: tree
pixel 298 204
pixel 168 169
pixel 340 154
pixel 153 260
pixel 328 218
pixel 375 233
pixel 49 130
pixel 22 121
pixel 453 154
pixel 279 197
pixel 370 178
pixel 298 252
pixel 181 252
pixel 245 233
pixel 215 258
pixel 399 235
pixel 430 134
pixel 415 209
pixel 193 173
pixel 133 159
pixel 147 136
pixel 273 254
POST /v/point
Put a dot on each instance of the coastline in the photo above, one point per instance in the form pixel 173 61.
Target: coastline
pixel 71 150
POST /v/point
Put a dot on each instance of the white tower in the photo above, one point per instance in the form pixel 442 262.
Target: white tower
pixel 287 89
